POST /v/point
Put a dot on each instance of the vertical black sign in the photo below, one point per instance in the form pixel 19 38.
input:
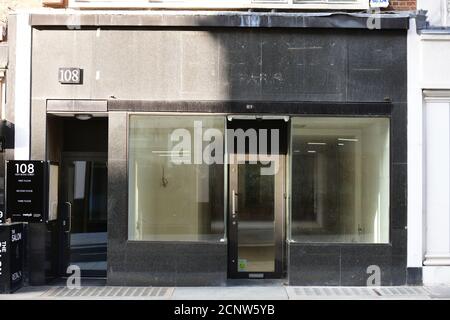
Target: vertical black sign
pixel 4 259
pixel 25 191
pixel 11 257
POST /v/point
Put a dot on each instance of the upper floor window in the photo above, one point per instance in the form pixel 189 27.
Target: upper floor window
pixel 438 11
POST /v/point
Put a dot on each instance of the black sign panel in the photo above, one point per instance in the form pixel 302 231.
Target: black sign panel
pixel 25 191
pixel 11 257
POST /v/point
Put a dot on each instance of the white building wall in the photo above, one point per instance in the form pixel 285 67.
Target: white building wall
pixel 415 153
pixel 22 87
pixel 436 260
pixel 429 151
pixel 438 11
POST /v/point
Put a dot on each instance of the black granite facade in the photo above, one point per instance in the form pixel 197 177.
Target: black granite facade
pixel 365 74
pixel 287 64
pixel 151 263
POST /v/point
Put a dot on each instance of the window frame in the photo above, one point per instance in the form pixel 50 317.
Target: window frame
pixel 223 236
pixel 289 236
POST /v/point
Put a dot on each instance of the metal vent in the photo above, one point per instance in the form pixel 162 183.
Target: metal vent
pixel 110 293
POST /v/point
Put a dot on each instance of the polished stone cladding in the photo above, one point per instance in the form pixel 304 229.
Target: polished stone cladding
pixel 333 67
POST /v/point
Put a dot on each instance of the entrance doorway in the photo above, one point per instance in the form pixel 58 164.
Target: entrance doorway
pixel 81 151
pixel 256 220
pixel 84 193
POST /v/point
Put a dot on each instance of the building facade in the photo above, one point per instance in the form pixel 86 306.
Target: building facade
pixel 202 147
pixel 428 146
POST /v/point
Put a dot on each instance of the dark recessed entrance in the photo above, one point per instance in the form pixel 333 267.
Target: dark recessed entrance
pixel 82 153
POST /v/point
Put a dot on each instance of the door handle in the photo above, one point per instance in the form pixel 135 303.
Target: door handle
pixel 69 216
pixel 233 204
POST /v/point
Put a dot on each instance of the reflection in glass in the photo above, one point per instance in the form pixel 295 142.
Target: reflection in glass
pixel 256 219
pixel 87 192
pixel 340 180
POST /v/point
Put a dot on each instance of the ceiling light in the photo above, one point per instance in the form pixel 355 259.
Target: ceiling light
pixel 83 116
pixel 317 143
pixel 348 139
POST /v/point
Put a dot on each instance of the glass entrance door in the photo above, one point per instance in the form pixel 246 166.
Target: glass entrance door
pixel 256 210
pixel 84 192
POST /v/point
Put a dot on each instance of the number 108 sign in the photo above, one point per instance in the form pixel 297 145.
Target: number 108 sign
pixel 25 191
pixel 70 75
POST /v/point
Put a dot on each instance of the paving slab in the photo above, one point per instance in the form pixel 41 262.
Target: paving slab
pixel 230 293
pixel 26 293
pixel 96 291
pixel 439 292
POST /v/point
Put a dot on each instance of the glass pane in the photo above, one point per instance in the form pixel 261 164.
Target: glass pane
pixel 175 193
pixel 97 196
pixel 340 180
pixel 86 191
pixel 256 219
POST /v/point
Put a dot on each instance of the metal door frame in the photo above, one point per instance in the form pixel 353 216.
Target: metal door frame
pixel 279 216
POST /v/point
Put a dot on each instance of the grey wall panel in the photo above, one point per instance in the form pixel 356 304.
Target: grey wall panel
pixel 117 196
pixel 55 49
pixel 340 264
pixel 241 19
pixel 377 66
pixel 76 106
pixel 38 129
pixel 143 262
pixel 171 264
pixel 223 64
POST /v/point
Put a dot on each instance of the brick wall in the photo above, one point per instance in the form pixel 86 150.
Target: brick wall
pixel 403 4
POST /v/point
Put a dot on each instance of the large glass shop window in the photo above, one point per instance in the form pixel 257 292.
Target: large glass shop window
pixel 340 180
pixel 176 178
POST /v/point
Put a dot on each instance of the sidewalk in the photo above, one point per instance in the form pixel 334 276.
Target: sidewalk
pixel 99 292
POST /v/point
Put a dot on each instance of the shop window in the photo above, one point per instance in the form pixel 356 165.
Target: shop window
pixel 176 178
pixel 340 180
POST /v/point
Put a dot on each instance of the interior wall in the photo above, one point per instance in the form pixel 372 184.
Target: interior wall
pixel 67 134
pixel 346 183
pixel 170 201
pixel 54 138
pixel 164 210
pixel 350 179
pixel 375 182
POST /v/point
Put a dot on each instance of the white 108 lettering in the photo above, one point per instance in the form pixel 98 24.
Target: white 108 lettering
pixel 69 75
pixel 23 168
